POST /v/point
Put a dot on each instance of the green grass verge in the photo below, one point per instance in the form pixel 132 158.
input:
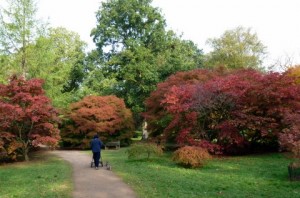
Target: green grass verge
pixel 44 176
pixel 246 176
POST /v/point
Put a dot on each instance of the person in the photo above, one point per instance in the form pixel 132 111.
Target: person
pixel 96 149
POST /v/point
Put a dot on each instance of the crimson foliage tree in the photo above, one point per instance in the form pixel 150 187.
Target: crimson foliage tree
pixel 26 117
pixel 105 115
pixel 156 115
pixel 267 110
pixel 235 112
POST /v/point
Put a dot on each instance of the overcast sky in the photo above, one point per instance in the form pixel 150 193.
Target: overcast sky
pixel 276 22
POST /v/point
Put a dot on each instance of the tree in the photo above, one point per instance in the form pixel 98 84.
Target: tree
pixel 26 115
pixel 233 112
pixel 125 43
pixel 178 55
pixel 294 71
pixel 266 111
pixel 282 63
pixel 18 29
pixel 156 115
pixel 105 115
pixel 28 47
pixel 136 51
pixel 58 58
pixel 237 48
pixel 124 24
pixel 4 61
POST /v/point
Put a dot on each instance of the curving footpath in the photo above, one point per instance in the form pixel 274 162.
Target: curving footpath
pixel 91 183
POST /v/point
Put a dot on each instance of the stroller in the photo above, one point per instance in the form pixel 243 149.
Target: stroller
pixel 107 165
pixel 93 162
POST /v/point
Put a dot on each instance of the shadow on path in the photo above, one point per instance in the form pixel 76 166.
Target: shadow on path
pixel 91 183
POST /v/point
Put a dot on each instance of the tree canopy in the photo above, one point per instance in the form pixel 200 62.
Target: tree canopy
pixel 123 24
pixel 236 48
pixel 135 50
pixel 105 115
pixel 58 58
pixel 27 117
pixel 18 30
pixel 30 48
pixel 232 112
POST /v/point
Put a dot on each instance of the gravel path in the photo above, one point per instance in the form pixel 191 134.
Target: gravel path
pixel 91 183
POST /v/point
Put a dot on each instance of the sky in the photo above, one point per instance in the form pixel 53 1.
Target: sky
pixel 276 22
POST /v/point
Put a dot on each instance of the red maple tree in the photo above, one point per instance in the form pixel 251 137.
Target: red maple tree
pixel 106 116
pixel 156 115
pixel 242 110
pixel 27 117
pixel 267 108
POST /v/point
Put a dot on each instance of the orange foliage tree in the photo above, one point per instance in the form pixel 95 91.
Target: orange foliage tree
pixel 106 116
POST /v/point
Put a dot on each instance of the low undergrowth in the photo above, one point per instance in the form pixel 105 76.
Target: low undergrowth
pixel 143 151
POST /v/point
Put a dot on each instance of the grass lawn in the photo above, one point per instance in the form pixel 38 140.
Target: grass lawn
pixel 247 176
pixel 44 176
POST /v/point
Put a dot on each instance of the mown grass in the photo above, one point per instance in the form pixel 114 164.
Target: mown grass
pixel 44 176
pixel 247 176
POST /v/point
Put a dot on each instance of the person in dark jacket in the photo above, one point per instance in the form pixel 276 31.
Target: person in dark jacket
pixel 96 149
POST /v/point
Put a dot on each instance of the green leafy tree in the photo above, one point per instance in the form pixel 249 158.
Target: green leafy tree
pixel 18 30
pixel 178 55
pixel 58 57
pixel 4 61
pixel 135 50
pixel 122 24
pixel 29 48
pixel 237 48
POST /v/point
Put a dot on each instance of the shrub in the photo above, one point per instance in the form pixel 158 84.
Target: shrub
pixel 143 150
pixel 294 167
pixel 9 147
pixel 191 156
pixel 137 136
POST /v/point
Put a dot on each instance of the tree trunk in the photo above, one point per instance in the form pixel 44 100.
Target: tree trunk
pixel 24 45
pixel 26 156
pixel 25 152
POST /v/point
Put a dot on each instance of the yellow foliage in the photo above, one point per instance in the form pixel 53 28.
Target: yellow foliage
pixel 191 156
pixel 295 72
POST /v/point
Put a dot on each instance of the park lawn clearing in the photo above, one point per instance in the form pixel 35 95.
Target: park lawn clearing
pixel 263 175
pixel 44 176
